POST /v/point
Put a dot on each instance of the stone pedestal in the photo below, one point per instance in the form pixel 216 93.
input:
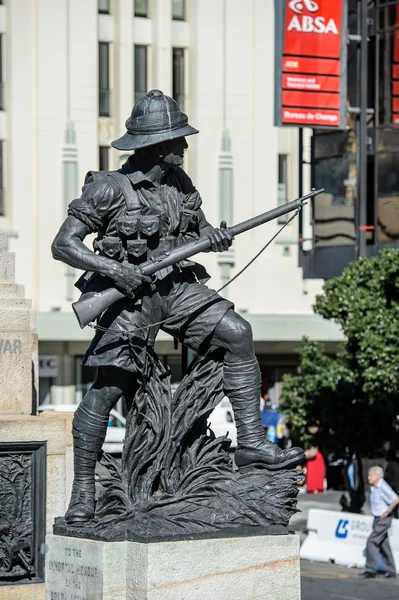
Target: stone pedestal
pixel 36 459
pixel 244 568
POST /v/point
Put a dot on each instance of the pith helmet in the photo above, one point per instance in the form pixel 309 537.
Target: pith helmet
pixel 155 118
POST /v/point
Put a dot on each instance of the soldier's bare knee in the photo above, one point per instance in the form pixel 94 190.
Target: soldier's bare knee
pixel 235 333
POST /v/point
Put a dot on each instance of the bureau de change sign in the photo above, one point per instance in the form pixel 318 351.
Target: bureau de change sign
pixel 310 86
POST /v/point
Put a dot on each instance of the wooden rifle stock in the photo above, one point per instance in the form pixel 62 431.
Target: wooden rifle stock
pixel 92 304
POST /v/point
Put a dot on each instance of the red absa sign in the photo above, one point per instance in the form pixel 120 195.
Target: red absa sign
pixel 311 85
pixel 313 28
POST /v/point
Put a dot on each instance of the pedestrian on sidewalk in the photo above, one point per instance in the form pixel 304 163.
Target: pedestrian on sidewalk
pixel 383 501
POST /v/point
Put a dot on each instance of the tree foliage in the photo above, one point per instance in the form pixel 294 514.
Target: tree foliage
pixel 354 395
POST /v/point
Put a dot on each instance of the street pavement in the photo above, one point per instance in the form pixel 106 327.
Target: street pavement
pixel 322 581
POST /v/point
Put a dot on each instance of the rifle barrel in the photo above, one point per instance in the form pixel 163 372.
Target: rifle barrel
pixel 203 244
pixel 91 304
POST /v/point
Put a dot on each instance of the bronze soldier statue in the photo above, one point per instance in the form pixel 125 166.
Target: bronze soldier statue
pixel 148 207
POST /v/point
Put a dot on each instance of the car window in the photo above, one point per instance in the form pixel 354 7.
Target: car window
pixel 114 422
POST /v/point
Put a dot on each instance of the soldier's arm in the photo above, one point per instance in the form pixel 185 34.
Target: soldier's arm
pixel 68 247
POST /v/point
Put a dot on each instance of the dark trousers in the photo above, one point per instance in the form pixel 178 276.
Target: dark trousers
pixel 378 541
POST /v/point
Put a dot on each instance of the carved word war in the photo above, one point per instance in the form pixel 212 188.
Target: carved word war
pixel 10 346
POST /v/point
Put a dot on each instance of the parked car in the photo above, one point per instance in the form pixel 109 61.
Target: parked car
pixel 113 443
pixel 221 421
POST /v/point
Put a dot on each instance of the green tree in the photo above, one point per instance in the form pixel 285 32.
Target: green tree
pixel 354 395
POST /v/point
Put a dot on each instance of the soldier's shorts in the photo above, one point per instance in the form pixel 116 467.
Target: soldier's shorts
pixel 191 312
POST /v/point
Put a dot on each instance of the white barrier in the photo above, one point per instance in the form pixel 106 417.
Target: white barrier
pixel 341 538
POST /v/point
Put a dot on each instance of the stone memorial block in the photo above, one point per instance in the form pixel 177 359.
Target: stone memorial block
pixel 244 568
pixel 34 450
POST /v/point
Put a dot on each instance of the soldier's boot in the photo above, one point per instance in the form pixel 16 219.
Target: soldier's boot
pixel 242 384
pixel 89 430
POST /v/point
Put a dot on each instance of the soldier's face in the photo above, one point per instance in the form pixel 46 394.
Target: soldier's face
pixel 173 152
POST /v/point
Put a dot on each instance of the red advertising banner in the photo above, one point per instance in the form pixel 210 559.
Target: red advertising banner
pixel 310 89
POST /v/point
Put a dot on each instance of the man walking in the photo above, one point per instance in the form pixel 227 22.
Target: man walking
pixel 383 501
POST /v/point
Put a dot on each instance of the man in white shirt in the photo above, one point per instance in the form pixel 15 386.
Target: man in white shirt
pixel 383 501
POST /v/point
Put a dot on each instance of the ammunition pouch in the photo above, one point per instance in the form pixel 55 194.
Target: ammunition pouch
pixel 136 250
pixel 127 226
pixel 111 247
pixel 150 225
pixel 138 225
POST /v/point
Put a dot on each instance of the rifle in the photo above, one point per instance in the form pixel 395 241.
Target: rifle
pixel 92 303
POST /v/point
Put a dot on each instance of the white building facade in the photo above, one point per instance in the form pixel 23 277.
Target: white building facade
pixel 71 71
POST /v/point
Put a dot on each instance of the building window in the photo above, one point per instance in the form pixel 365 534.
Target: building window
pixel 334 213
pixel 178 10
pixel 388 197
pixel 103 158
pixel 1 178
pixel 178 86
pixel 282 184
pixel 141 8
pixel 140 72
pixel 104 7
pixel 104 80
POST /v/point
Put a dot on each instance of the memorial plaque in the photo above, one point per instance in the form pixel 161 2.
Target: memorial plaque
pixel 22 511
pixel 74 570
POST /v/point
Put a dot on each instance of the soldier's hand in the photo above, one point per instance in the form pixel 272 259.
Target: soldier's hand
pixel 221 239
pixel 129 279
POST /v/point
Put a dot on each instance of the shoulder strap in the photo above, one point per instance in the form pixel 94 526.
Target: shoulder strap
pixel 129 193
